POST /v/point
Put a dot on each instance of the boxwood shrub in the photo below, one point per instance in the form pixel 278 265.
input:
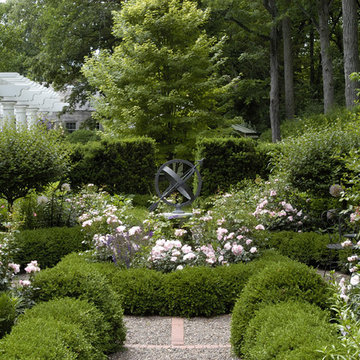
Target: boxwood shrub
pixel 227 162
pixel 306 247
pixel 79 312
pixel 7 313
pixel 81 280
pixel 50 339
pixel 288 330
pixel 48 245
pixel 118 166
pixel 198 291
pixel 282 281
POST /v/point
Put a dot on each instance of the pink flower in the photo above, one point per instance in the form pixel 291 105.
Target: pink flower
pixel 221 232
pixel 24 282
pixel 253 250
pixel 259 227
pixel 180 232
pixel 186 249
pixel 273 192
pixel 227 246
pixel 290 218
pixel 135 230
pixel 355 280
pixel 352 258
pixel 248 241
pixel 237 249
pixel 14 267
pixel 189 256
pixel 220 221
pixel 32 267
pixel 34 214
pixel 347 243
pixel 239 237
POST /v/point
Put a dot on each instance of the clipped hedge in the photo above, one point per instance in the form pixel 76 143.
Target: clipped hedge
pixel 194 291
pixel 118 166
pixel 49 339
pixel 288 330
pixel 227 161
pixel 7 313
pixel 77 312
pixel 306 247
pixel 282 281
pixel 48 245
pixel 81 280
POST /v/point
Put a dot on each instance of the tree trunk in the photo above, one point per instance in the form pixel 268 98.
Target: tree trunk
pixel 326 62
pixel 288 69
pixel 312 58
pixel 270 6
pixel 351 49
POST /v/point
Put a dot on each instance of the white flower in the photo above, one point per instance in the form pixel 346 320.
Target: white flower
pixel 65 187
pixel 179 267
pixel 355 280
pixel 259 227
pixel 134 230
pixel 180 232
pixel 189 256
pixel 42 200
pixel 253 250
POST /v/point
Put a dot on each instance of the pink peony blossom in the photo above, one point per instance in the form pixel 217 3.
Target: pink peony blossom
pixel 14 267
pixel 253 250
pixel 24 282
pixel 180 232
pixel 259 227
pixel 32 267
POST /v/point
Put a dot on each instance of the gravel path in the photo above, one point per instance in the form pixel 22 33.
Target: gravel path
pixel 157 338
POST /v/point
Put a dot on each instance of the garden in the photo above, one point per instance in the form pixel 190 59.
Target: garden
pixel 76 256
pixel 177 79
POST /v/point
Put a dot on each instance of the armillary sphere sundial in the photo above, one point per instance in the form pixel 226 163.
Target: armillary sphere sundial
pixel 176 178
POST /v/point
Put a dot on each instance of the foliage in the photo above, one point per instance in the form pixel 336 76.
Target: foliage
pixel 312 161
pixel 79 280
pixel 29 159
pixel 306 247
pixel 57 59
pixel 347 322
pixel 46 339
pixel 288 330
pixel 7 313
pixel 198 291
pixel 82 136
pixel 227 161
pixel 54 206
pixel 162 78
pixel 277 282
pixel 118 166
pixel 77 312
pixel 47 245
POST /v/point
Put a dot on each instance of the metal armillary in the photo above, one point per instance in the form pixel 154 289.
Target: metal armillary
pixel 177 177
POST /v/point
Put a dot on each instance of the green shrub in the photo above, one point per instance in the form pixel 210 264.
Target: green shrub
pixel 288 330
pixel 78 312
pixel 227 162
pixel 307 247
pixel 118 166
pixel 39 338
pixel 48 245
pixel 141 290
pixel 82 136
pixel 7 313
pixel 267 154
pixel 80 280
pixel 282 281
pixel 313 163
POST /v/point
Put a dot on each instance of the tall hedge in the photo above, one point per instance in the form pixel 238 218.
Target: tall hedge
pixel 116 165
pixel 227 161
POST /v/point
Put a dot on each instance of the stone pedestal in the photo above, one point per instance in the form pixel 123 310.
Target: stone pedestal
pixel 8 110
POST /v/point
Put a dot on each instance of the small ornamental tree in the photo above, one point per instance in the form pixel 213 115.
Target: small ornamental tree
pixel 29 159
pixel 162 79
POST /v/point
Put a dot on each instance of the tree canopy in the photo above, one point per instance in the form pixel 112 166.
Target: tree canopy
pixel 162 79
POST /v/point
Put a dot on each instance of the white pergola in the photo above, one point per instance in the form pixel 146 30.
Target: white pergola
pixel 24 101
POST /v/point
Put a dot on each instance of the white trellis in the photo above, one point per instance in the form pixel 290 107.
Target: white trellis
pixel 24 101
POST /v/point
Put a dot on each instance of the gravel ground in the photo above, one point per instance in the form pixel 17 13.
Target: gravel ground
pixel 149 338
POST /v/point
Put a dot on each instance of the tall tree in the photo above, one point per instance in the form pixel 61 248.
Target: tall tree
pixel 57 35
pixel 161 80
pixel 288 68
pixel 271 7
pixel 351 49
pixel 326 60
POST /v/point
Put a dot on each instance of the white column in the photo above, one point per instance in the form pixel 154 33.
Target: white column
pixel 31 116
pixel 20 115
pixel 8 110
